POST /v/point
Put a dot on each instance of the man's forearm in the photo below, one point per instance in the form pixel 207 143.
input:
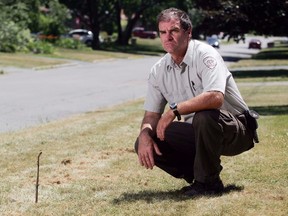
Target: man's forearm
pixel 204 101
pixel 149 123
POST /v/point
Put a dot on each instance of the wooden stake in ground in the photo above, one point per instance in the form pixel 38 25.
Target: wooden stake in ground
pixel 37 179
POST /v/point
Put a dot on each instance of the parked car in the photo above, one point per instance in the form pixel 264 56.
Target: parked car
pixel 254 44
pixel 141 33
pixel 83 35
pixel 213 41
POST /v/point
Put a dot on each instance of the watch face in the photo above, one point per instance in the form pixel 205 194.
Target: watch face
pixel 173 105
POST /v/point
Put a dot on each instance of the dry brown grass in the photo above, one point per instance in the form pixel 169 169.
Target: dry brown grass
pixel 88 167
pixel 28 61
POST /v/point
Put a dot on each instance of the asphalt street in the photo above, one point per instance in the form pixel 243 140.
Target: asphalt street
pixel 33 97
pixel 30 97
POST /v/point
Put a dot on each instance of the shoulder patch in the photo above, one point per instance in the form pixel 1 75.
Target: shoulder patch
pixel 210 62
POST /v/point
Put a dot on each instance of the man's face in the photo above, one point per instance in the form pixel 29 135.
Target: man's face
pixel 173 38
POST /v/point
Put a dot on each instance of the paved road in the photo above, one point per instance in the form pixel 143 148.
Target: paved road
pixel 29 97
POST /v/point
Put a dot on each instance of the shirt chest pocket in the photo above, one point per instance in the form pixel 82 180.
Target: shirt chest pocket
pixel 176 95
pixel 195 82
pixel 197 87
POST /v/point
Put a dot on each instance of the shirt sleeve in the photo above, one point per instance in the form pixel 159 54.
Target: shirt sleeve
pixel 155 101
pixel 213 71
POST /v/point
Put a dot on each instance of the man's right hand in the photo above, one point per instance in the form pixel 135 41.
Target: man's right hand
pixel 146 148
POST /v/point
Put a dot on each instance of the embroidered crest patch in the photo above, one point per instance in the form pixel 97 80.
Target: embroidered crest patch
pixel 210 62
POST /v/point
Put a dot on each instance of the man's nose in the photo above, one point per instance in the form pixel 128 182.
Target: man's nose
pixel 168 36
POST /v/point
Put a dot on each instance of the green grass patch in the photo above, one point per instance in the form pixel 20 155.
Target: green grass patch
pixel 89 55
pixel 260 94
pixel 89 167
pixel 63 56
pixel 59 57
pixel 142 46
pixel 22 60
pixel 258 63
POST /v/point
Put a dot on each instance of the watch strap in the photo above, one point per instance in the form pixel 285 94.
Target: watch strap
pixel 177 114
pixel 173 107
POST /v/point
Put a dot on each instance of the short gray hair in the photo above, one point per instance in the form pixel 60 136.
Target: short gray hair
pixel 168 14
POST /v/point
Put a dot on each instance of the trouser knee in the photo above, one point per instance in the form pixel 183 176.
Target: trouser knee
pixel 205 118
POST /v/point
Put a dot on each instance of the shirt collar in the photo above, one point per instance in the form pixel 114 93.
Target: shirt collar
pixel 188 56
pixel 186 60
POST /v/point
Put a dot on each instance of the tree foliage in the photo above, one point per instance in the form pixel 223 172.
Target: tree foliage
pixel 232 17
pixel 53 19
pixel 20 18
pixel 237 17
pixel 92 14
pixel 106 15
pixel 14 34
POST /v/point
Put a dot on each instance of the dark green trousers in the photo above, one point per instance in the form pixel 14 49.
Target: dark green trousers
pixel 193 151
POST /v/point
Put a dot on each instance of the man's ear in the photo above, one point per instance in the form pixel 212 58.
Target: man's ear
pixel 190 33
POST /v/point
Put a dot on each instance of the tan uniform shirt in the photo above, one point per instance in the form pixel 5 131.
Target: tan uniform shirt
pixel 201 70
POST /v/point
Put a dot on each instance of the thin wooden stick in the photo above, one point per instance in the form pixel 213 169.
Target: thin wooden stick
pixel 37 180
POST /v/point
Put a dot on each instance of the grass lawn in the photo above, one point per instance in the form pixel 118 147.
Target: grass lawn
pixel 60 57
pixel 22 60
pixel 88 167
pixel 66 56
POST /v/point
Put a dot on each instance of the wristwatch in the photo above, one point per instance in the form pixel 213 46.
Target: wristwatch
pixel 173 107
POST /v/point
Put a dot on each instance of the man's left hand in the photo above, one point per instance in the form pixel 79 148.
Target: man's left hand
pixel 163 123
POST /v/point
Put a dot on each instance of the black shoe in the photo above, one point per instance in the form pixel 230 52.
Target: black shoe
pixel 200 189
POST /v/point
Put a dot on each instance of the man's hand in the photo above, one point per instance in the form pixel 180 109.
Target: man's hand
pixel 146 147
pixel 163 123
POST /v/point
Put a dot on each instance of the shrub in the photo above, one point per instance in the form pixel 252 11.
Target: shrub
pixel 69 43
pixel 41 47
pixel 13 38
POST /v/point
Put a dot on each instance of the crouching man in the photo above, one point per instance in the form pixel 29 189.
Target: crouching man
pixel 193 80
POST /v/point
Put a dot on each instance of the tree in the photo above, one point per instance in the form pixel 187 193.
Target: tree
pixel 133 11
pixel 52 17
pixel 144 11
pixel 98 15
pixel 267 17
pixel 237 17
pixel 91 14
pixel 14 34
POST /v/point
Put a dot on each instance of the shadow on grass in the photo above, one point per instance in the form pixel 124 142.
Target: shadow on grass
pixel 231 58
pixel 157 196
pixel 259 73
pixel 271 110
pixel 280 53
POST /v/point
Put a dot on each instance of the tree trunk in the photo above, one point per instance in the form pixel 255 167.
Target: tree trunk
pixel 94 23
pixel 118 22
pixel 126 35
